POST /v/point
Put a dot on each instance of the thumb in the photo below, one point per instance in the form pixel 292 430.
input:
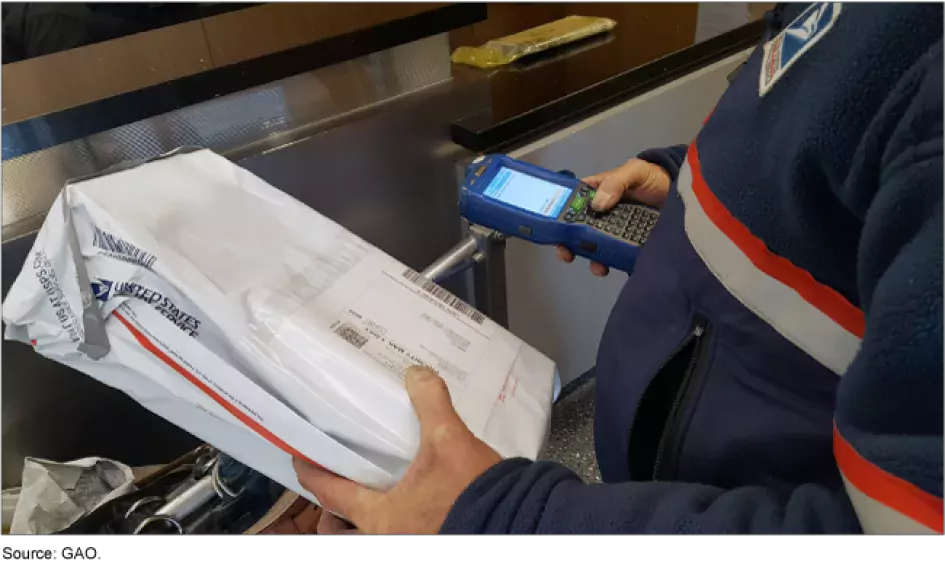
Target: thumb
pixel 431 400
pixel 609 193
pixel 614 186
pixel 595 180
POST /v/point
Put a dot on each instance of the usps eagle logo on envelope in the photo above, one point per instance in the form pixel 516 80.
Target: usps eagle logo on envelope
pixel 102 289
pixel 795 40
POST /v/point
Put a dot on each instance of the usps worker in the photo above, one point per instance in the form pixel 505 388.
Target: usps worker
pixel 774 363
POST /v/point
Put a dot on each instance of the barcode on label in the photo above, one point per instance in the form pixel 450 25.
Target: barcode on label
pixel 122 248
pixel 352 336
pixel 445 296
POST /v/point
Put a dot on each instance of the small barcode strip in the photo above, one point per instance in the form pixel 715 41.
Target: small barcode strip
pixel 351 336
pixel 445 296
pixel 111 243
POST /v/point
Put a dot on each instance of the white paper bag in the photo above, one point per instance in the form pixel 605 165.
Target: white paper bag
pixel 260 326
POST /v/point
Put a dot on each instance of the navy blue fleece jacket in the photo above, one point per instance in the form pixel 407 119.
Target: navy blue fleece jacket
pixel 838 168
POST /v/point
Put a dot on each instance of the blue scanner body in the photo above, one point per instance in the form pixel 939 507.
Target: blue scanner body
pixel 526 201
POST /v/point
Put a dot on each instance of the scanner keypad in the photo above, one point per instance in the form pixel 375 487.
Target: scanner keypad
pixel 628 221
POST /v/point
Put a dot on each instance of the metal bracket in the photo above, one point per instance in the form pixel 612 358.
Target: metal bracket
pixel 472 250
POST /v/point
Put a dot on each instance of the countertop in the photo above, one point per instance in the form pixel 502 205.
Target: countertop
pixel 60 126
pixel 546 92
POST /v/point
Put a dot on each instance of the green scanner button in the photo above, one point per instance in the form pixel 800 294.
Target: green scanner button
pixel 578 203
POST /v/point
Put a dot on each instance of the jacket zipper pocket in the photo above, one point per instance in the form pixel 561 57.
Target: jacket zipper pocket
pixel 655 404
pixel 667 453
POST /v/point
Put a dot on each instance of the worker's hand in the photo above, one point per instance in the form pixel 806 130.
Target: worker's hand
pixel 636 180
pixel 449 459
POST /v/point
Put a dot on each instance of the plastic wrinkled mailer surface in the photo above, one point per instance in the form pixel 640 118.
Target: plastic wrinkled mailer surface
pixel 260 326
pixel 54 495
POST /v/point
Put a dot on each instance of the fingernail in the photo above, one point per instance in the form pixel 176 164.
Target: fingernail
pixel 602 201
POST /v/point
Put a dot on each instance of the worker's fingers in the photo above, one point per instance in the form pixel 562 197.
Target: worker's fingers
pixel 431 400
pixel 564 254
pixel 335 493
pixel 610 192
pixel 329 524
pixel 599 269
pixel 633 175
pixel 567 256
pixel 595 180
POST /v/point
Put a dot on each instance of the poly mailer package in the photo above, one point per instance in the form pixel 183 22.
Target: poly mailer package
pixel 260 326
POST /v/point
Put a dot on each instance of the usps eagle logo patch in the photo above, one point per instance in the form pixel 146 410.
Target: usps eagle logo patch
pixel 795 40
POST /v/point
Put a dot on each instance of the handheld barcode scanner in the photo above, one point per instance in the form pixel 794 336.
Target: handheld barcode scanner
pixel 529 202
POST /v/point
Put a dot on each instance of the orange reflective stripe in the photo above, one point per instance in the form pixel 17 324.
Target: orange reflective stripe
pixel 814 317
pixel 885 488
pixel 824 298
